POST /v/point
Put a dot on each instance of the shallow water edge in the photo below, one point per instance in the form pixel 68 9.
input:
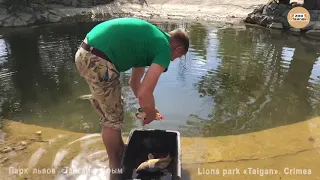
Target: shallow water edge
pixel 287 152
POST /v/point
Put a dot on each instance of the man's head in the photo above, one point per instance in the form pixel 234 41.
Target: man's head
pixel 179 42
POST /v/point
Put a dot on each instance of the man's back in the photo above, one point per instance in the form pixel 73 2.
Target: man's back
pixel 130 42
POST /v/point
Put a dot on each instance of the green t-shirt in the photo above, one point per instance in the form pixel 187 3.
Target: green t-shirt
pixel 130 42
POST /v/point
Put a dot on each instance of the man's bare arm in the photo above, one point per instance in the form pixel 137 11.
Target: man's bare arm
pixel 145 93
pixel 135 79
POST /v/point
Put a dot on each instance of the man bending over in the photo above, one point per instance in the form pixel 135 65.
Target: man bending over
pixel 116 46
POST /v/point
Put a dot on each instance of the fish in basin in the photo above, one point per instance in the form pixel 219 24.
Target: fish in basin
pixel 154 165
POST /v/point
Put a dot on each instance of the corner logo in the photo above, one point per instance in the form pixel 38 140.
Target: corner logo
pixel 298 17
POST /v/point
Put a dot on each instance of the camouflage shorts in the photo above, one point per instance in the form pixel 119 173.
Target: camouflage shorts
pixel 107 99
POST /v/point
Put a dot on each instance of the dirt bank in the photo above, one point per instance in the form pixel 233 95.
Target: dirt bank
pixel 290 152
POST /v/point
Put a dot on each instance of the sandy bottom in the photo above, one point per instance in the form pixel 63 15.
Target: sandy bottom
pixel 289 152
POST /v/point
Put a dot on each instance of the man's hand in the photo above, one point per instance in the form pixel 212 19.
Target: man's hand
pixel 145 121
pixel 150 117
pixel 145 93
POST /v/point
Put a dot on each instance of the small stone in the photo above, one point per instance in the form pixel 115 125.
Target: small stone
pixel 23 143
pixel 275 26
pixel 19 22
pixel 28 10
pixel 9 22
pixel 311 139
pixel 4 16
pixel 3 11
pixel 316 26
pixel 6 149
pixel 20 147
pixel 38 132
pixel 313 34
pixel 54 18
pixel 25 16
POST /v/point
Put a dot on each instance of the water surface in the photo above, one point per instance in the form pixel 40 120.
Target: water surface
pixel 232 81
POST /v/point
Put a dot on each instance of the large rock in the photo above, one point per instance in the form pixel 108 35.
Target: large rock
pixel 9 21
pixel 3 11
pixel 25 16
pixel 19 22
pixel 25 19
pixel 4 17
pixel 270 13
pixel 54 18
pixel 316 25
pixel 274 16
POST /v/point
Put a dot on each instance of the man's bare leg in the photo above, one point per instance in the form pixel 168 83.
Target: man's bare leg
pixel 114 144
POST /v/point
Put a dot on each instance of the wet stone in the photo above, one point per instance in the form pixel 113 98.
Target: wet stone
pixel 19 22
pixel 295 30
pixel 20 147
pixel 6 149
pixel 4 16
pixel 54 18
pixel 25 16
pixel 9 21
pixel 311 139
pixel 3 159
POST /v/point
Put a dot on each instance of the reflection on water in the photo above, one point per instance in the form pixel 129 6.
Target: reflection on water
pixel 232 81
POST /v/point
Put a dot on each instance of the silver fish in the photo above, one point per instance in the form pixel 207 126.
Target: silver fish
pixel 87 96
pixel 154 165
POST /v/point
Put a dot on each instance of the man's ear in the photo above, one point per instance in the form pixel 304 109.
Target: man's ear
pixel 180 50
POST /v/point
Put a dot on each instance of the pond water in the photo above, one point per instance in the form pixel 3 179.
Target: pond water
pixel 232 81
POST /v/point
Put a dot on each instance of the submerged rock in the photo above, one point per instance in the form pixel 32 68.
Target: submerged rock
pixel 19 22
pixel 295 30
pixel 6 149
pixel 315 34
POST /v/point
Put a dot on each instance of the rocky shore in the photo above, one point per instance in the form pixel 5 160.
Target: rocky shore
pixel 53 11
pixel 274 15
pixel 264 13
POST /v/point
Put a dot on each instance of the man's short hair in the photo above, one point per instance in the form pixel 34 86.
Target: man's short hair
pixel 181 37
